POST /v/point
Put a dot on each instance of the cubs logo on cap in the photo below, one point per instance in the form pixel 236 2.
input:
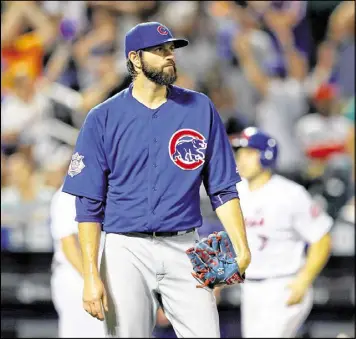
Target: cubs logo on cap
pixel 186 149
pixel 162 30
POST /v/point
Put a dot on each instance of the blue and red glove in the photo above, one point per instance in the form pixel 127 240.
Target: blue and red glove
pixel 213 260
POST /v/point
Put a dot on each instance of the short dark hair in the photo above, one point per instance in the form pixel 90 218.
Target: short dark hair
pixel 130 66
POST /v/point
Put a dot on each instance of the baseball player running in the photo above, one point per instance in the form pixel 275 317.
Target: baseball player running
pixel 67 273
pixel 280 218
pixel 136 171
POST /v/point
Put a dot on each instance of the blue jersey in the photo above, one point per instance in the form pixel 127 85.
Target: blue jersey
pixel 147 165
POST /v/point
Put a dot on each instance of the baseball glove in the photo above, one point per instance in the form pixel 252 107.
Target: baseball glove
pixel 213 260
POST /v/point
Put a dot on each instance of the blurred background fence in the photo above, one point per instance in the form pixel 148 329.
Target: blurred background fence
pixel 59 59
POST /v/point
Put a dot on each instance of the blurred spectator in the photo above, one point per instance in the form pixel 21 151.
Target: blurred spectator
pixel 28 117
pixel 25 205
pixel 284 15
pixel 323 133
pixel 348 212
pixel 74 12
pixel 341 34
pixel 23 114
pixel 186 81
pixel 238 20
pixel 26 32
pixel 225 102
pixel 71 20
pixel 56 166
pixel 349 113
pixel 282 97
pixel 129 13
pixel 323 71
pixel 78 103
pixel 186 19
pixel 140 9
pixel 95 50
pixel 336 186
pixel 341 22
pixel 324 136
pixel 98 68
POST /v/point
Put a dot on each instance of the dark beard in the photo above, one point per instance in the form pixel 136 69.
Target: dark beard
pixel 158 76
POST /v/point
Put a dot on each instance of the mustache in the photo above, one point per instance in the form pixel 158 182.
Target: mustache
pixel 170 64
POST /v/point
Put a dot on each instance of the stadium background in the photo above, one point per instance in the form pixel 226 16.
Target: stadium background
pixel 59 59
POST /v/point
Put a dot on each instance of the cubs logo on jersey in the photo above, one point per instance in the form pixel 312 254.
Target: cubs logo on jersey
pixel 186 149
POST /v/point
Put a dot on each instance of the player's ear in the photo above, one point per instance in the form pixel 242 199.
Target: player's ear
pixel 135 58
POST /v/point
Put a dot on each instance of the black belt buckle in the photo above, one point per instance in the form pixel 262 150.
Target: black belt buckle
pixel 163 234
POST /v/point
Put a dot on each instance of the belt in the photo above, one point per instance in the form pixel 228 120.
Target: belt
pixel 270 278
pixel 167 234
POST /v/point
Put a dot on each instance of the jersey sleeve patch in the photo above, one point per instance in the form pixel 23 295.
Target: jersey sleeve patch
pixel 76 165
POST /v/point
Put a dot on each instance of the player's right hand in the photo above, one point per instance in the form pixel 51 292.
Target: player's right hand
pixel 95 297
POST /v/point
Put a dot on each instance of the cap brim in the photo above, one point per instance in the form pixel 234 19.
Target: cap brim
pixel 178 43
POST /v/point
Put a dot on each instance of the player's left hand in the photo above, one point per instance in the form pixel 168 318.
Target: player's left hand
pixel 298 288
pixel 213 261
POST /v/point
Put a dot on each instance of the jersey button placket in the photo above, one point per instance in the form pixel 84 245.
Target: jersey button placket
pixel 152 174
pixel 154 188
pixel 154 116
pixel 155 143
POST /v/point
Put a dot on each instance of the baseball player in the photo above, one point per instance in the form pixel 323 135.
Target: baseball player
pixel 67 273
pixel 280 218
pixel 136 171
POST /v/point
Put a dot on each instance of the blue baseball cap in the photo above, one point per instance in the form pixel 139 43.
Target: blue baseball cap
pixel 150 34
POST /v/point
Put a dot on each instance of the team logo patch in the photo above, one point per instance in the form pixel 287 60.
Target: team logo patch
pixel 186 149
pixel 76 164
pixel 162 30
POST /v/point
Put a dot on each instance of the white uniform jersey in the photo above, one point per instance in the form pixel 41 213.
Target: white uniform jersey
pixel 280 218
pixel 63 224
